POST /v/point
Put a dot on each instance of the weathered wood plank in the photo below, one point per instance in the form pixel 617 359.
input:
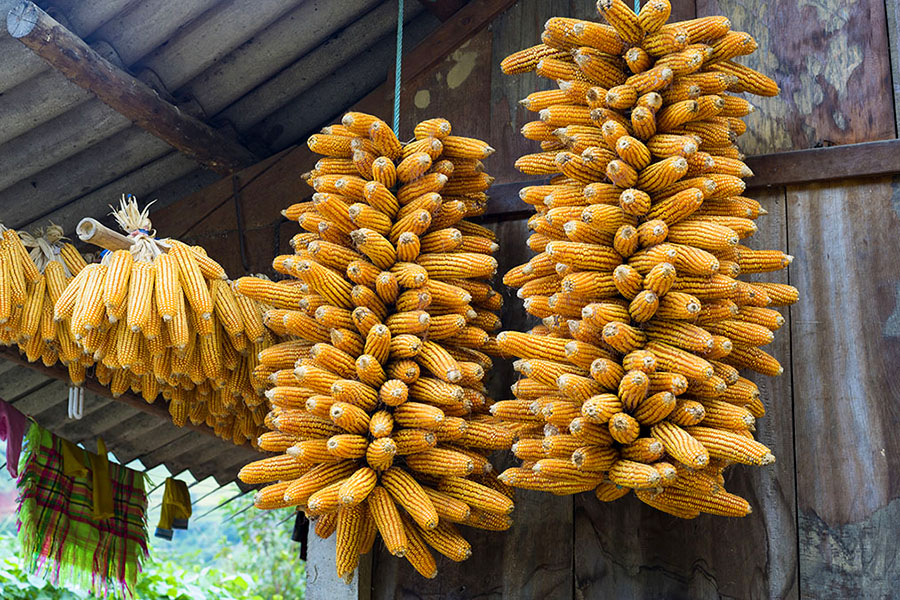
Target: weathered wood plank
pixel 517 28
pixel 137 445
pixel 69 55
pixel 628 550
pixel 822 164
pixel 19 382
pixel 443 9
pixel 454 89
pixel 830 59
pixel 846 329
pixel 88 430
pixel 682 10
pixel 892 10
pixel 772 490
pixel 530 560
pixel 49 396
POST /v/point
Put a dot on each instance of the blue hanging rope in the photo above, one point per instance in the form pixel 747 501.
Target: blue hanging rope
pixel 397 68
pixel 637 6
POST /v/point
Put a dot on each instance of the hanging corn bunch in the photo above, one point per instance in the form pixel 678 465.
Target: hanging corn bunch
pixel 158 317
pixel 631 382
pixel 379 415
pixel 34 272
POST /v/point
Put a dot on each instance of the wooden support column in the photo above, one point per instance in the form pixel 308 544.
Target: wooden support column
pixel 68 54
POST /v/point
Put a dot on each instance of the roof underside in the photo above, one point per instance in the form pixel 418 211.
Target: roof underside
pixel 269 72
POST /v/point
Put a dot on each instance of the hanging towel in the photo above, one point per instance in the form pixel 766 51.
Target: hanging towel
pixel 74 462
pixel 59 537
pixel 176 508
pixel 12 430
pixel 102 486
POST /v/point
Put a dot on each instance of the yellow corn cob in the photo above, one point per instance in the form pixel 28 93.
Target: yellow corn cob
pixel 32 310
pixel 387 518
pixel 394 391
pixel 72 258
pixel 282 467
pixel 628 473
pixel 380 453
pixel 476 495
pixel 316 478
pixel 115 287
pixel 624 428
pixel 357 487
pixel 653 15
pixel 608 491
pixel 687 412
pixel 417 551
pixel 680 444
pixel 349 539
pixel 618 14
pixel 407 492
pixel 626 240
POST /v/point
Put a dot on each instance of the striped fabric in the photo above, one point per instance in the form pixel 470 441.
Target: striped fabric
pixel 59 536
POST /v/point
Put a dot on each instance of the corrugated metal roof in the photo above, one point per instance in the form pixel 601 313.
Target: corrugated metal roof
pixel 270 71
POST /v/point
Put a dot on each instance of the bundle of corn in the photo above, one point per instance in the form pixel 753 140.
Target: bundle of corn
pixel 159 317
pixel 379 413
pixel 631 381
pixel 30 283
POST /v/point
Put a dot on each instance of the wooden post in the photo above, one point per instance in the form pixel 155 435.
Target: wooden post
pixel 69 55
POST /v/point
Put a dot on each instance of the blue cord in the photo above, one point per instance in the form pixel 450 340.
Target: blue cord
pixel 637 6
pixel 397 69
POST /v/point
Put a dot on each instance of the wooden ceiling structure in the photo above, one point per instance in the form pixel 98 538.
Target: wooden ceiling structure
pixel 170 102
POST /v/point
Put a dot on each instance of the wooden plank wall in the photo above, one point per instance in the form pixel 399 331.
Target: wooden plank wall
pixel 825 512
pixel 826 515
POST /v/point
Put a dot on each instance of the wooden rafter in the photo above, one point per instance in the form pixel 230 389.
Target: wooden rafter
pixel 443 9
pixel 68 54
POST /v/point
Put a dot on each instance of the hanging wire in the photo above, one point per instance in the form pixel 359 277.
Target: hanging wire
pixel 397 68
pixel 235 497
pixel 637 6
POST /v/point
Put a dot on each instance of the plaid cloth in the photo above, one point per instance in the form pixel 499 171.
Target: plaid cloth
pixel 60 537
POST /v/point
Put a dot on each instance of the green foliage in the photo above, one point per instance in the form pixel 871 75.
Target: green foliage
pixel 233 554
pixel 160 580
pixel 263 565
pixel 266 550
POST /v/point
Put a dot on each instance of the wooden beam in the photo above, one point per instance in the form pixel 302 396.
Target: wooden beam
pixel 57 371
pixel 68 54
pixel 464 23
pixel 866 159
pixel 443 9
